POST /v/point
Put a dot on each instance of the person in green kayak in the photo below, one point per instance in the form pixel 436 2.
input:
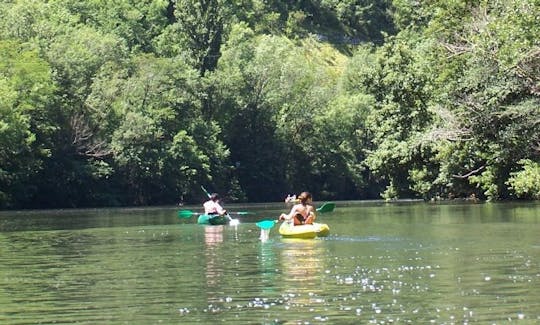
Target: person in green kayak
pixel 213 207
pixel 302 213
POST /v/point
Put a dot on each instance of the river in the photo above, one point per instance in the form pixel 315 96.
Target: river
pixel 383 263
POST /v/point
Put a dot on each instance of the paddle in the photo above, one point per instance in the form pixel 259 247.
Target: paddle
pixel 266 224
pixel 326 207
pixel 189 213
pixel 186 213
pixel 205 191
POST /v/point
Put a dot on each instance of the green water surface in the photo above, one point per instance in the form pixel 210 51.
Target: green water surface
pixel 397 263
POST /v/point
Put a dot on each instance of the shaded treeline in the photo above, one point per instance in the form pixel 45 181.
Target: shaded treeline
pixel 107 103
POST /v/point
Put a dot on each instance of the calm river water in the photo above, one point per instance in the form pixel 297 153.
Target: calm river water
pixel 396 263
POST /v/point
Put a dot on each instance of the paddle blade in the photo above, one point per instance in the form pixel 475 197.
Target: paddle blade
pixel 185 213
pixel 266 224
pixel 326 207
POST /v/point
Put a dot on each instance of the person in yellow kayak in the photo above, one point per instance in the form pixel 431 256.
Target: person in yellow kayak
pixel 291 199
pixel 213 207
pixel 302 213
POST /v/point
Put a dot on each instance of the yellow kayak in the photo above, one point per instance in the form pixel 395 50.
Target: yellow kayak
pixel 288 230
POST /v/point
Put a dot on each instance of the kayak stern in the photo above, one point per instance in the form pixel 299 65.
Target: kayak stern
pixel 205 219
pixel 288 230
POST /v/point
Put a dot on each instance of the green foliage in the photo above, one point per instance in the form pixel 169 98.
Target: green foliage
pixel 391 193
pixel 340 137
pixel 136 22
pixel 249 78
pixel 294 25
pixel 362 19
pixel 422 182
pixel 26 88
pixel 138 152
pixel 488 95
pixel 139 102
pixel 159 145
pixel 487 181
pixel 400 115
pixel 36 22
pixel 198 31
pixel 410 14
pixel 526 182
pixel 275 98
pixel 78 55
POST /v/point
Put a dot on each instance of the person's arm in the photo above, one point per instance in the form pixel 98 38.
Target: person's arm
pixel 290 215
pixel 284 216
pixel 220 209
pixel 312 211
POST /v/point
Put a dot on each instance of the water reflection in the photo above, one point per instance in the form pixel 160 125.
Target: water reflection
pixel 267 266
pixel 301 260
pixel 213 238
pixel 303 267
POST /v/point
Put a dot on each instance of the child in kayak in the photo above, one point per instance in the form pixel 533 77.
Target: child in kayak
pixel 302 213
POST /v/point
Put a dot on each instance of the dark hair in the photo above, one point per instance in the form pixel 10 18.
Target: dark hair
pixel 304 196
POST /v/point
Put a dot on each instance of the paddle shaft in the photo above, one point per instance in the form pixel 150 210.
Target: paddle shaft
pixel 205 191
pixel 189 212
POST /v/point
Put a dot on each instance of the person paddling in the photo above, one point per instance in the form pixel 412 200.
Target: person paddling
pixel 303 212
pixel 212 206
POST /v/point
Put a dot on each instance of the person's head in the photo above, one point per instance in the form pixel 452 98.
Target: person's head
pixel 304 197
pixel 214 197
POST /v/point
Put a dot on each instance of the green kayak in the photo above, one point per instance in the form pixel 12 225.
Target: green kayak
pixel 205 219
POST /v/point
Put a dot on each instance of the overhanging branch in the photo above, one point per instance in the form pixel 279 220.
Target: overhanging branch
pixel 472 172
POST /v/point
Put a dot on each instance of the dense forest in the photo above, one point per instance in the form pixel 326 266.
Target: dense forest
pixel 140 102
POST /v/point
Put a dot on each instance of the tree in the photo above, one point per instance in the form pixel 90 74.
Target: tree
pixel 161 146
pixel 270 97
pixel 26 89
pixel 197 34
pixel 487 87
pixel 137 23
pixel 396 82
pixel 341 140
